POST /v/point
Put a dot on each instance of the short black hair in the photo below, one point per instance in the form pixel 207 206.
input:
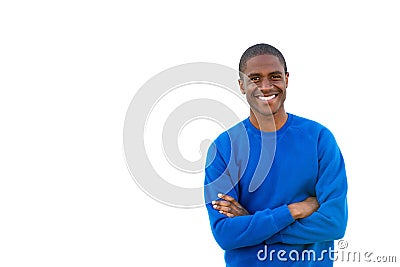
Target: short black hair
pixel 257 50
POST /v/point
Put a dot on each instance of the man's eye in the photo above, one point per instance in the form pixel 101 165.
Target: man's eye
pixel 254 79
pixel 276 77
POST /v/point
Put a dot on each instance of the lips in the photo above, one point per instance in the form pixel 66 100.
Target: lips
pixel 267 97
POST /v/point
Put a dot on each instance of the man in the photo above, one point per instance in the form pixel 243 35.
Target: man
pixel 275 183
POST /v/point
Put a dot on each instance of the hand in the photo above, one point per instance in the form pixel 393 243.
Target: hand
pixel 304 208
pixel 229 206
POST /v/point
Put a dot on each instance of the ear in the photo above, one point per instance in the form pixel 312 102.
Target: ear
pixel 287 79
pixel 241 86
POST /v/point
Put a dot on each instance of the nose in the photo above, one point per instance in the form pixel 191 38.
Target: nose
pixel 266 85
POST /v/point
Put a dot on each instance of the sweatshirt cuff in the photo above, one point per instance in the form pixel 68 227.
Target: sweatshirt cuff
pixel 282 217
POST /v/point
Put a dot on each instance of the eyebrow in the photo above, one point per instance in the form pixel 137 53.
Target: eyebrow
pixel 251 74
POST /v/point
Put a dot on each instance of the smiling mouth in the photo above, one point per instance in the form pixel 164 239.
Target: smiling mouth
pixel 267 98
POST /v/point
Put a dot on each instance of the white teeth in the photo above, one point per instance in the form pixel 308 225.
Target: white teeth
pixel 266 98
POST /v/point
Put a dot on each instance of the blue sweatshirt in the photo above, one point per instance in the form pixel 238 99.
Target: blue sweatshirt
pixel 300 160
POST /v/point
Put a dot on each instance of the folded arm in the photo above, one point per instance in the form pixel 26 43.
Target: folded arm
pixel 315 219
pixel 239 231
pixel 231 224
pixel 330 220
pixel 246 236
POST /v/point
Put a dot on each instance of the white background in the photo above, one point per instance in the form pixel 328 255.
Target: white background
pixel 69 69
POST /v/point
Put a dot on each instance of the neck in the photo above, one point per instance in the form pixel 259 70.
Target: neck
pixel 268 123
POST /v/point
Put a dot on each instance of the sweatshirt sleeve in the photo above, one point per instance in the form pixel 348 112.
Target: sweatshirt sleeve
pixel 330 220
pixel 241 231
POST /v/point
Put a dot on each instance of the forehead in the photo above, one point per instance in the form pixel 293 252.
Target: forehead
pixel 263 64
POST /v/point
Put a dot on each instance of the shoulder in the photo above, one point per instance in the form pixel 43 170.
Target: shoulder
pixel 311 128
pixel 234 133
pixel 223 144
pixel 307 125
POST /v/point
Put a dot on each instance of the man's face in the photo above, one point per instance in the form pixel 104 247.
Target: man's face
pixel 265 85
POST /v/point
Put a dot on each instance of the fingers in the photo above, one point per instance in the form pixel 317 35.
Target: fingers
pixel 227 211
pixel 226 206
pixel 230 199
pixel 226 197
pixel 230 215
pixel 229 206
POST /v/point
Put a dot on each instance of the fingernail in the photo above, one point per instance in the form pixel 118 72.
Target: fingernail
pixel 213 202
pixel 220 211
pixel 220 195
pixel 215 206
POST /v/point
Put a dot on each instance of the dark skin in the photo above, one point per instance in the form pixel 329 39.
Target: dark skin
pixel 231 208
pixel 265 78
pixel 265 86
